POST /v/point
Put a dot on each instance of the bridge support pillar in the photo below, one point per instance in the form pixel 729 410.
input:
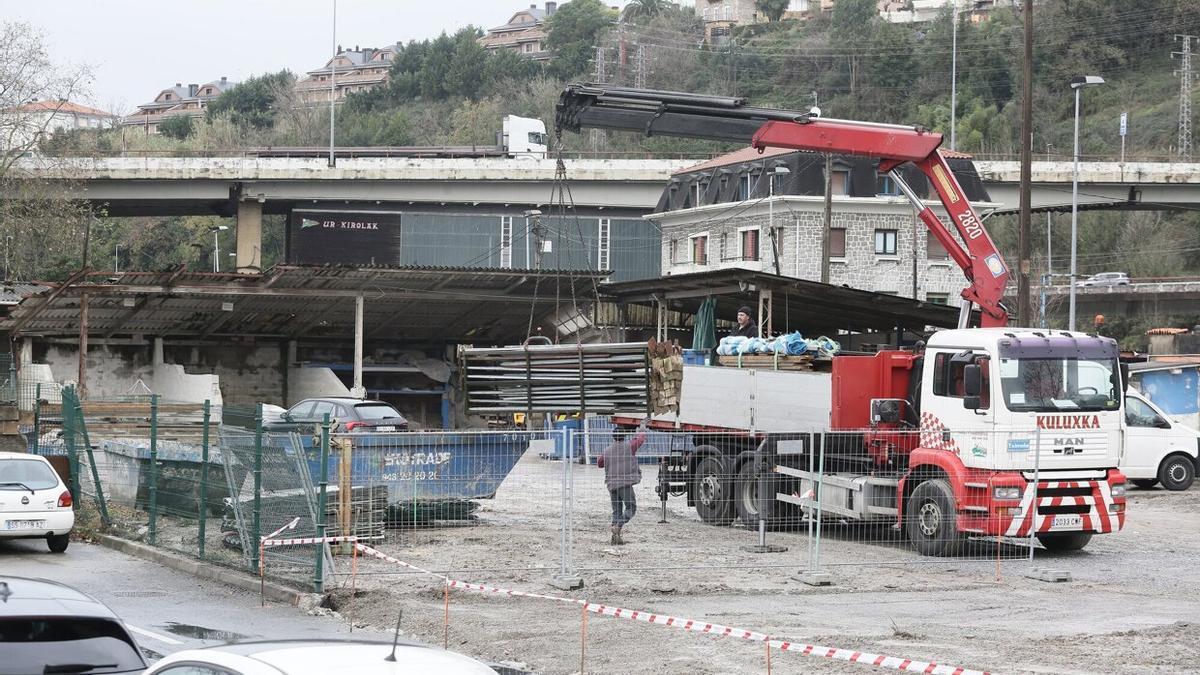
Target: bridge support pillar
pixel 249 237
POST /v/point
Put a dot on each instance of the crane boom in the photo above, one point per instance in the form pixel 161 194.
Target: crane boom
pixel 724 118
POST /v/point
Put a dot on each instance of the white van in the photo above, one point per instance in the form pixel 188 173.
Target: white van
pixel 1157 449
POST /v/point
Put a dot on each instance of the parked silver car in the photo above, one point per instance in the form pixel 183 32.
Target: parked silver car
pixel 48 627
pixel 1106 279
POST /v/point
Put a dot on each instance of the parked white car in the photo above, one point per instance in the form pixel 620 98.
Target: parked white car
pixel 318 657
pixel 1156 448
pixel 34 502
pixel 1106 279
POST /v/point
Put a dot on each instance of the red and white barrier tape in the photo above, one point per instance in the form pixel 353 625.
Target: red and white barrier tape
pixel 849 655
pixel 268 543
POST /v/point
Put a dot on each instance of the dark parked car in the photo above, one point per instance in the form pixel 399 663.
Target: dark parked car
pixel 352 414
pixel 48 627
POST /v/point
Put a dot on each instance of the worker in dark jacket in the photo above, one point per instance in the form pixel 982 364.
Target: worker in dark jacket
pixel 745 325
pixel 621 473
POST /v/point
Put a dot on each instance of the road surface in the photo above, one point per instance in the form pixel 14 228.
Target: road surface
pixel 168 610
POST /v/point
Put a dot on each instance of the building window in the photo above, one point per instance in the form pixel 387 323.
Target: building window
pixel 887 187
pixel 934 249
pixel 506 241
pixel 885 242
pixel 837 242
pixel 673 252
pixel 723 251
pixel 938 298
pixel 700 188
pixel 841 182
pixel 604 244
pixel 700 249
pixel 743 191
pixel 749 243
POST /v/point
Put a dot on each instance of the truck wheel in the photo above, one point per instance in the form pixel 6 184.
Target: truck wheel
pixel 1177 472
pixel 1064 541
pixel 713 489
pixel 931 517
pixel 1145 483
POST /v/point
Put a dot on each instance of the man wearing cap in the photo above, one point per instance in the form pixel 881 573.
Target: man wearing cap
pixel 745 325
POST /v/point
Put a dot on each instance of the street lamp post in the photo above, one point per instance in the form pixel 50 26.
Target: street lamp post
pixel 1077 83
pixel 216 230
pixel 778 172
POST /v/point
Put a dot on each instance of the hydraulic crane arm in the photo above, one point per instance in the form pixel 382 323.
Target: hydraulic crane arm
pixel 665 113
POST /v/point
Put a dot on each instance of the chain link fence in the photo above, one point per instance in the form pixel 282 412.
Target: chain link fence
pixel 526 505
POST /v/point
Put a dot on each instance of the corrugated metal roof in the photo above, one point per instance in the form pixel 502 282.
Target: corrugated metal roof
pixel 798 304
pixel 402 303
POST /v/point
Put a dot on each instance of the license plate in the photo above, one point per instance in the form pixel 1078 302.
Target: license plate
pixel 25 524
pixel 385 428
pixel 1067 521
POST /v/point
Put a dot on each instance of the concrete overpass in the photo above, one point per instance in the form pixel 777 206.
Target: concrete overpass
pixel 1147 299
pixel 1132 185
pixel 248 187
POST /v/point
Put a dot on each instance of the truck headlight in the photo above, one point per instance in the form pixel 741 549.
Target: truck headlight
pixel 999 493
pixel 1118 490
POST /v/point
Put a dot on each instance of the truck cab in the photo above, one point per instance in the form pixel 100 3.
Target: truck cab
pixel 1020 433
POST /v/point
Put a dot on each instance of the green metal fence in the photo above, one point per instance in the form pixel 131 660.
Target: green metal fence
pixel 197 479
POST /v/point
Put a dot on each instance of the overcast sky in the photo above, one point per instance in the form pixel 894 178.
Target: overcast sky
pixel 136 48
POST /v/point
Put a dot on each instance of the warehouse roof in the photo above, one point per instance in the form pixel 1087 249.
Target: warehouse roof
pixel 808 306
pixel 287 301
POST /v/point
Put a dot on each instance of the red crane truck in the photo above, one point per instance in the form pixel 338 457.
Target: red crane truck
pixel 988 431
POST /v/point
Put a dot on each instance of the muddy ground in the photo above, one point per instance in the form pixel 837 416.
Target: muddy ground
pixel 1132 607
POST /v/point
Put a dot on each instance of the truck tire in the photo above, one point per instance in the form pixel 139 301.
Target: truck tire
pixel 932 520
pixel 1061 542
pixel 1177 472
pixel 745 495
pixel 713 490
pixel 1145 483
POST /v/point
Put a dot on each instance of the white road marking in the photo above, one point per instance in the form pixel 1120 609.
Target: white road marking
pixel 154 636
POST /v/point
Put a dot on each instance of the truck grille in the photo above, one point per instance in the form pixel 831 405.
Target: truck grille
pixel 1082 491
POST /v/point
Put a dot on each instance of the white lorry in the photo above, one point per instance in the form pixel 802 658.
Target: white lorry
pixel 1157 449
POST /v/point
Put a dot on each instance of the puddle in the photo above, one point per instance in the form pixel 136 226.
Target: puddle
pixel 201 633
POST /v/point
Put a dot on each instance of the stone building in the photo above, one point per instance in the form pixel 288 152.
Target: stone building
pixel 765 212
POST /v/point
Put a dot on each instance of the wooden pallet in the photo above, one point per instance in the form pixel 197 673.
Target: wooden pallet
pixel 767 362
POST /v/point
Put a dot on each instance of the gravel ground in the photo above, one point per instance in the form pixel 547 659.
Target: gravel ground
pixel 1132 606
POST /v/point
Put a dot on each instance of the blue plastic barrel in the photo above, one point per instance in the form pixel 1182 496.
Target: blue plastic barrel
pixel 560 439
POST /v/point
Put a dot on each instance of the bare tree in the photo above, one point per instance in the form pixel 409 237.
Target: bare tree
pixel 41 220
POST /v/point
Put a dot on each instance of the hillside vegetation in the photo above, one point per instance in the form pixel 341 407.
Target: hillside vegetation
pixel 849 62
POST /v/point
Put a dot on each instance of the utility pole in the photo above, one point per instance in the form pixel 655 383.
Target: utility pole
pixel 1186 79
pixel 733 62
pixel 333 86
pixel 600 75
pixel 81 386
pixel 1023 303
pixel 953 72
pixel 827 225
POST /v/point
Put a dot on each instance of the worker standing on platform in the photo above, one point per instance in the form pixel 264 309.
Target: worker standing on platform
pixel 745 325
pixel 621 473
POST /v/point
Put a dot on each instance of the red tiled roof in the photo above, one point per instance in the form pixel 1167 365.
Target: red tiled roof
pixel 61 106
pixel 753 155
pixel 1166 331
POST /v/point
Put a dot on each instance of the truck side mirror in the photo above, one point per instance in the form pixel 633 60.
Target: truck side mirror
pixel 886 410
pixel 972 386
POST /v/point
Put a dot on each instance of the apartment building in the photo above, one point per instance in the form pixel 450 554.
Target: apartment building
pixel 524 33
pixel 351 70
pixel 191 100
